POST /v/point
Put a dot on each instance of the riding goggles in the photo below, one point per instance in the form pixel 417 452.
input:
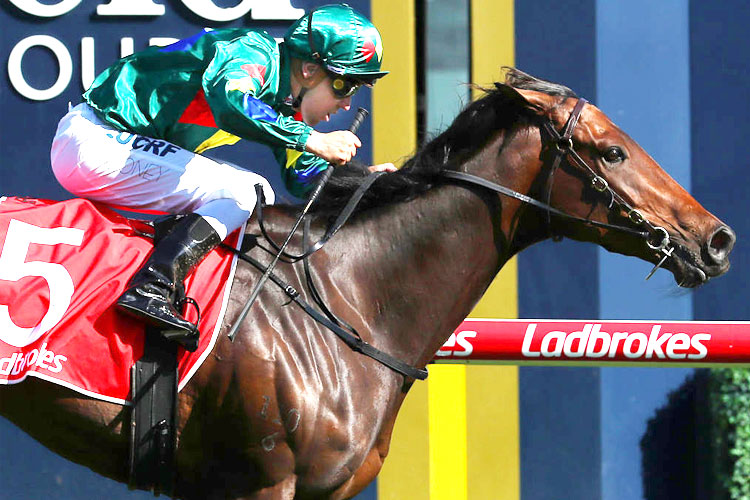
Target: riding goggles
pixel 342 86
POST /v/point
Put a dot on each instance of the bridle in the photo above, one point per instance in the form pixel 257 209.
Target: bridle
pixel 656 237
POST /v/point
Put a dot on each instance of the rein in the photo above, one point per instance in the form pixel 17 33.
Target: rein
pixel 656 237
pixel 478 181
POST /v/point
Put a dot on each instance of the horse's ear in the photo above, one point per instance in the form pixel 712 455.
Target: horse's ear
pixel 537 101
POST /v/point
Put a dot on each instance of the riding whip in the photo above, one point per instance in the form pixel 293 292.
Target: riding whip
pixel 358 119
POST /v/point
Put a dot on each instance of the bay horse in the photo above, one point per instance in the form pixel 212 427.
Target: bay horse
pixel 287 410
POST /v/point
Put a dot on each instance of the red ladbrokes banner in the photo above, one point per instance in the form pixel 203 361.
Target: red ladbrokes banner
pixel 62 266
pixel 600 342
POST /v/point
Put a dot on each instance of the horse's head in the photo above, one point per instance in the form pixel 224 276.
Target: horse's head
pixel 634 206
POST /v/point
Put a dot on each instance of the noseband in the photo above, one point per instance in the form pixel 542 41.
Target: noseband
pixel 656 237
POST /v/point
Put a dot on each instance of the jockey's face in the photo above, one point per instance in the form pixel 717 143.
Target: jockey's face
pixel 320 103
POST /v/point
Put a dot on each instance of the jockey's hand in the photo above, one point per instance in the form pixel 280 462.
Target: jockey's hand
pixel 383 167
pixel 337 147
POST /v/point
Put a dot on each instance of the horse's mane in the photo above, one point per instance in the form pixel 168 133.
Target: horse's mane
pixel 500 108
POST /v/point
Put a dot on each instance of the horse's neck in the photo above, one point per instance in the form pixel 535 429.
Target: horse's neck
pixel 420 267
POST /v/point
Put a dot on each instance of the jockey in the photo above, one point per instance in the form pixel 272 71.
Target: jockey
pixel 136 140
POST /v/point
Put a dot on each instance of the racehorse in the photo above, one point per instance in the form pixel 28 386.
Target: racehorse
pixel 287 410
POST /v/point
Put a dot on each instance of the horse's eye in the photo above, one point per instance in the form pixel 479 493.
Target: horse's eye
pixel 613 155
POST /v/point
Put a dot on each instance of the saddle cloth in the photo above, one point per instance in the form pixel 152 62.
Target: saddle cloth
pixel 62 266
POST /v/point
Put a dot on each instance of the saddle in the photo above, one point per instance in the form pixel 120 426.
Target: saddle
pixel 62 266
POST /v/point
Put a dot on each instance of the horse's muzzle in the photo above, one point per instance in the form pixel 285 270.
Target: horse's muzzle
pixel 693 266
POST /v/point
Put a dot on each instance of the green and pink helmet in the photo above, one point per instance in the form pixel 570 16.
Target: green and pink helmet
pixel 341 40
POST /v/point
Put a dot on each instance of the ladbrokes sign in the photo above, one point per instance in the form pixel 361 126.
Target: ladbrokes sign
pixel 541 341
pixel 593 342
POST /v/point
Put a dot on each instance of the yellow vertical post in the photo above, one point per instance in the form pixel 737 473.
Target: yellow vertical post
pixel 447 409
pixel 472 450
pixel 394 97
pixel 493 445
pixel 394 105
pixel 474 426
pixel 492 391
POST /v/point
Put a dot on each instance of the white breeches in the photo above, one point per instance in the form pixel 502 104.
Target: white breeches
pixel 94 161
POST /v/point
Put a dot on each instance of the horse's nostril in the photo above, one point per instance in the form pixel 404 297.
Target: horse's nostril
pixel 720 244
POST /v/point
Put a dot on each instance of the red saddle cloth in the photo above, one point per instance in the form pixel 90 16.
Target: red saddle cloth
pixel 62 266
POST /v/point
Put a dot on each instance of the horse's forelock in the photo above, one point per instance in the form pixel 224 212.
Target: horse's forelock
pixel 520 80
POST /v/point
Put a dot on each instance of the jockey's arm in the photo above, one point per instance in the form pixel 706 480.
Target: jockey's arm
pixel 299 170
pixel 238 93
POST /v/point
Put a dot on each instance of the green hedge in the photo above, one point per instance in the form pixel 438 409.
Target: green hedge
pixel 729 391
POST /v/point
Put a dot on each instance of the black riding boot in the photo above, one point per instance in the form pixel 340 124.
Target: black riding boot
pixel 152 289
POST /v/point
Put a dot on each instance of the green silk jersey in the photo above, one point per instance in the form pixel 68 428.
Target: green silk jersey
pixel 208 90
